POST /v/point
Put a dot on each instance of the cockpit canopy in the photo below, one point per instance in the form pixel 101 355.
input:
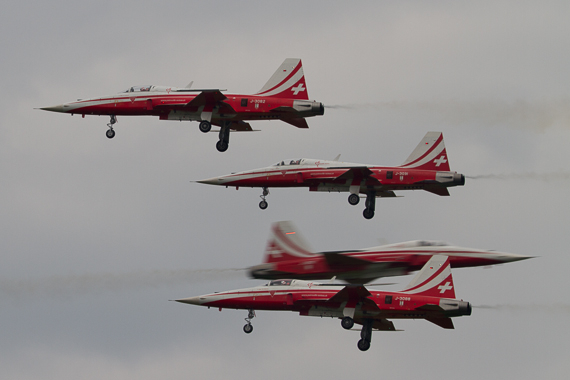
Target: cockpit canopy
pixel 289 162
pixel 152 88
pixel 280 283
pixel 420 243
pixel 139 89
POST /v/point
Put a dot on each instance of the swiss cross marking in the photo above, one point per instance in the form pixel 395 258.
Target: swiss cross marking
pixel 445 287
pixel 440 161
pixel 298 89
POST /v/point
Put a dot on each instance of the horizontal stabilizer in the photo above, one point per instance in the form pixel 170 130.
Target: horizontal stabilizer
pixel 446 323
pixel 298 122
pixel 436 189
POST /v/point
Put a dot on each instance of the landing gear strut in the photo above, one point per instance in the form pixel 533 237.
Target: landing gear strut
pixel 365 335
pixel 248 328
pixel 263 203
pixel 370 205
pixel 224 142
pixel 111 132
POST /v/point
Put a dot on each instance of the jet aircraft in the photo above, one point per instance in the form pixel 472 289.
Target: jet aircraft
pixel 287 255
pixel 430 296
pixel 284 97
pixel 426 168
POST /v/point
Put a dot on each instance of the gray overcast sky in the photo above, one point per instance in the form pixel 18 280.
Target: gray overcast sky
pixel 98 235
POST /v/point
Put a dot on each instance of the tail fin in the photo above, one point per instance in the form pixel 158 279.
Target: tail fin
pixel 434 279
pixel 430 154
pixel 285 244
pixel 287 82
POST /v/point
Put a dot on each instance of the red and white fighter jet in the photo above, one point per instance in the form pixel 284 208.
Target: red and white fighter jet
pixel 427 168
pixel 288 256
pixel 430 296
pixel 284 97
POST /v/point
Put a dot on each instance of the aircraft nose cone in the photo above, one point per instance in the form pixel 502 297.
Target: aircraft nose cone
pixel 212 181
pixel 509 257
pixel 58 108
pixel 191 300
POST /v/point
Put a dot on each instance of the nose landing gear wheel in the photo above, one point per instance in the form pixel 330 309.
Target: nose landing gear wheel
pixel 263 205
pixel 368 214
pixel 248 328
pixel 110 133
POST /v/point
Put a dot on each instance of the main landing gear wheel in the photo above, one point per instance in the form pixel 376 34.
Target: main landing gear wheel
pixel 353 199
pixel 263 205
pixel 347 323
pixel 222 146
pixel 370 205
pixel 224 142
pixel 365 335
pixel 363 345
pixel 368 214
pixel 110 132
pixel 248 328
pixel 205 126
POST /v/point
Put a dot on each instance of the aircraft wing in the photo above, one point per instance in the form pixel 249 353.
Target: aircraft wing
pixel 238 125
pixel 350 292
pixel 207 97
pixel 336 259
pixel 356 172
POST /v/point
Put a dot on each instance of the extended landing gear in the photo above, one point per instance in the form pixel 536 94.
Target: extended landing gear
pixel 263 203
pixel 353 199
pixel 248 328
pixel 370 205
pixel 347 323
pixel 365 336
pixel 224 142
pixel 111 132
pixel 205 126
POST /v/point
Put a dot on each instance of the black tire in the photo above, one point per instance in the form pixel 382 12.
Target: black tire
pixel 248 328
pixel 110 133
pixel 363 345
pixel 347 323
pixel 222 146
pixel 368 214
pixel 263 205
pixel 353 199
pixel 205 126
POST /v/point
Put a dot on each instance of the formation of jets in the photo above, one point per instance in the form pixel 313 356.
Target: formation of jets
pixel 289 263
